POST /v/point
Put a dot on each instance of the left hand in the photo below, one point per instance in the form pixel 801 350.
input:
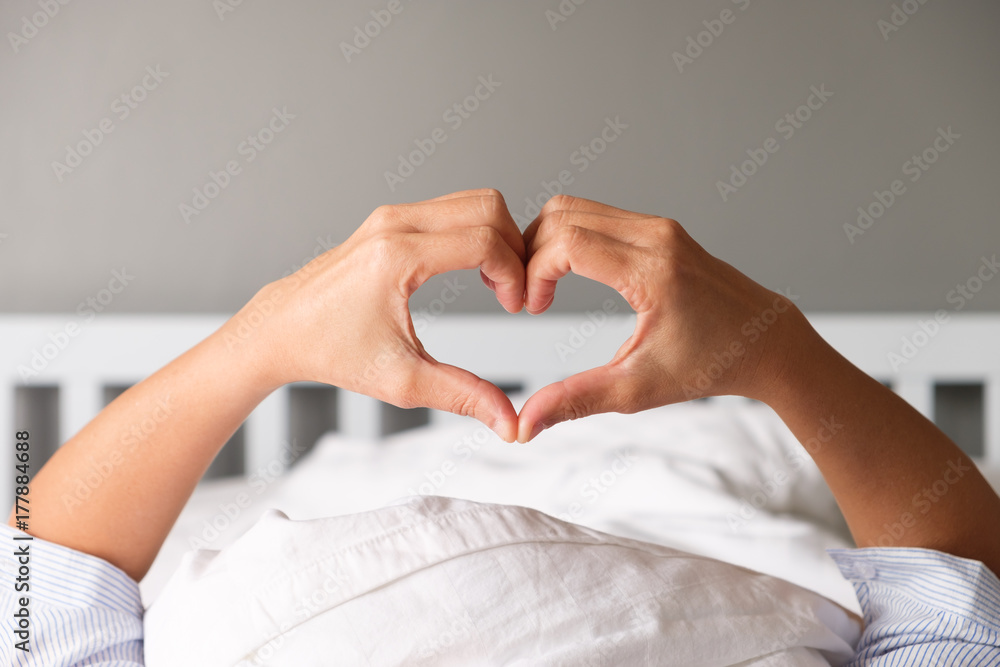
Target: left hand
pixel 699 329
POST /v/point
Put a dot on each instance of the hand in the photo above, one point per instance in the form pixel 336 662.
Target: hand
pixel 702 328
pixel 343 319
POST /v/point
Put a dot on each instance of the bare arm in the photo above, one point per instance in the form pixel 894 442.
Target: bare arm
pixel 898 479
pixel 114 490
pixel 343 319
pixel 704 329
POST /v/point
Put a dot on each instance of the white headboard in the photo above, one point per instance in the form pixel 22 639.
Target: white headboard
pixel 512 350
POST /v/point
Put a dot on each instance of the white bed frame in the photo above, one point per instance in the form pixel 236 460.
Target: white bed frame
pixel 522 350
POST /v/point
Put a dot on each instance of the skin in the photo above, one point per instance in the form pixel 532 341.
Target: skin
pixel 885 463
pixel 343 319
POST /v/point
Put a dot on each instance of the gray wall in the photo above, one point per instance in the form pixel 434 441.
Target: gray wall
pixel 324 173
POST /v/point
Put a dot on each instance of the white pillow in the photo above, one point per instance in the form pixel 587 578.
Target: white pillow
pixel 437 581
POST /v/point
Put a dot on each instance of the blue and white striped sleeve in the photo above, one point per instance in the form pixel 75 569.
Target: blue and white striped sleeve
pixel 923 607
pixel 80 610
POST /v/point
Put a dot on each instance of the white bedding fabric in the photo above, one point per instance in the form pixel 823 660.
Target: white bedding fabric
pixel 437 581
pixel 677 476
pixel 685 476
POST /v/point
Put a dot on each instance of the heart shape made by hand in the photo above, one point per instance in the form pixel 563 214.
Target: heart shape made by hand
pixel 702 328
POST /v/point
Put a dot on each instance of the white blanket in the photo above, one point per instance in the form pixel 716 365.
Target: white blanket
pixel 725 479
pixel 439 581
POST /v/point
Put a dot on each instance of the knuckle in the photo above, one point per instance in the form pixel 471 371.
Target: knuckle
pixel 575 408
pixel 549 223
pixel 665 231
pixel 383 215
pixel 488 238
pixel 383 245
pixel 559 202
pixel 388 253
pixel 494 206
pixel 559 218
pixel 568 237
pixel 491 193
pixel 464 404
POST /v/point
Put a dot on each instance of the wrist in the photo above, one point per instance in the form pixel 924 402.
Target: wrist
pixel 245 346
pixel 796 358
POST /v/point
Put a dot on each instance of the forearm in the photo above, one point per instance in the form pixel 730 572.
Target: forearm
pixel 898 479
pixel 115 489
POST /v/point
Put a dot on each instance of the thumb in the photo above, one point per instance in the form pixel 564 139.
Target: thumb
pixel 452 389
pixel 601 389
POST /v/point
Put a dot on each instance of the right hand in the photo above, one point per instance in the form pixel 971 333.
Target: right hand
pixel 344 319
pixel 702 328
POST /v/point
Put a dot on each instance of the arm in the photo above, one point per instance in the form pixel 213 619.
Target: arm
pixel 705 329
pixel 343 319
pixel 898 479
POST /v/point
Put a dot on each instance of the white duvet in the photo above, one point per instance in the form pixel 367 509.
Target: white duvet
pixel 723 479
pixel 446 582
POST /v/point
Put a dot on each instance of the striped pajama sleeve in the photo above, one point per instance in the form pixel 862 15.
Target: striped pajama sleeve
pixel 923 607
pixel 81 610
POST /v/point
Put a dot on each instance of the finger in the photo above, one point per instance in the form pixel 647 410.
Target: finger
pixel 568 203
pixel 634 231
pixel 444 387
pixel 580 205
pixel 601 389
pixel 585 253
pixel 475 192
pixel 469 248
pixel 443 214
